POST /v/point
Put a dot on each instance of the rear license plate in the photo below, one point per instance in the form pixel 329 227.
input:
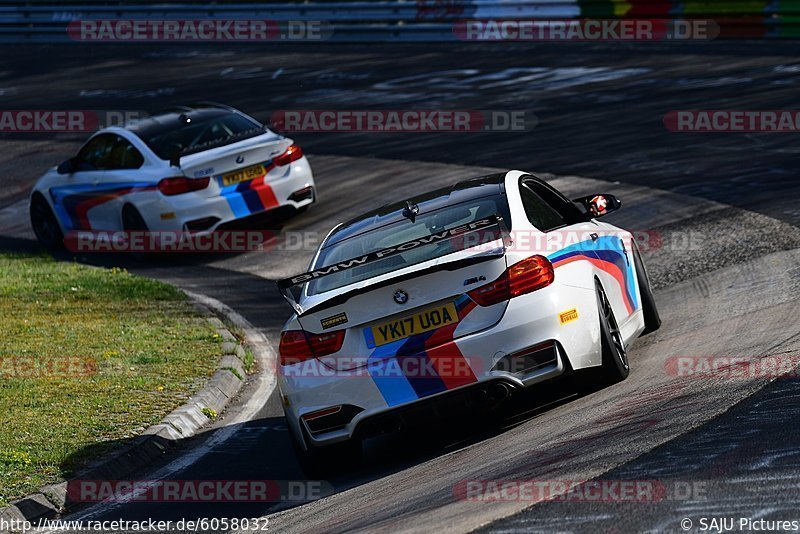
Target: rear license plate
pixel 243 175
pixel 418 323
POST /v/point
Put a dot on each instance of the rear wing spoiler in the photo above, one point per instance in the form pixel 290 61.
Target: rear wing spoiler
pixel 478 232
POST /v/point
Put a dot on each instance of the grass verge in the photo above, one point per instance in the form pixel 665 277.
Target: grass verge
pixel 88 358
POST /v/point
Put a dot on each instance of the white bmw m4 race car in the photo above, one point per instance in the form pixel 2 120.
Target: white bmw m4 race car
pixel 467 293
pixel 188 169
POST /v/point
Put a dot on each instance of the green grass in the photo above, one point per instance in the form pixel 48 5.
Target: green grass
pixel 88 358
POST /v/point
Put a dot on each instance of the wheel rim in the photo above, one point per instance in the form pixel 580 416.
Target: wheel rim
pixel 43 223
pixel 618 345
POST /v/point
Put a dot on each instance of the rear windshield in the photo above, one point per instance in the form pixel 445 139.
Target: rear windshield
pixel 200 134
pixel 399 232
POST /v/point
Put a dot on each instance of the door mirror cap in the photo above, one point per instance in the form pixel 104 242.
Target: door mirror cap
pixel 67 166
pixel 175 158
pixel 599 204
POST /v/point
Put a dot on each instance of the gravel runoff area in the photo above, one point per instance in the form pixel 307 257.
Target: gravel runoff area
pixel 715 240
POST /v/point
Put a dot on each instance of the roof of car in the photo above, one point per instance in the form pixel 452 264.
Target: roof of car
pixel 465 190
pixel 172 118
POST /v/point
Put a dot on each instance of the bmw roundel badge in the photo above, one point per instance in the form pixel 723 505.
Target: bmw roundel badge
pixel 400 296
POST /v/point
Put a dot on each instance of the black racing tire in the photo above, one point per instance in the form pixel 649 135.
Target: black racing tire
pixel 45 225
pixel 132 221
pixel 320 462
pixel 652 320
pixel 615 367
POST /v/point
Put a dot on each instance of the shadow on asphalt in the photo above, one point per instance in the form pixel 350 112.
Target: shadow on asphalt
pixel 261 450
pixel 268 225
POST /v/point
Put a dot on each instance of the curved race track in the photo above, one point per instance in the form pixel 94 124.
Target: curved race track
pixel 411 483
pixel 727 286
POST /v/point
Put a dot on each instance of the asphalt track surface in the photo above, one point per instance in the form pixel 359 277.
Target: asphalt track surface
pixel 735 295
pixel 598 108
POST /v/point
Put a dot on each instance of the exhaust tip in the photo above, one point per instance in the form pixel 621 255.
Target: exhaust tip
pixel 499 392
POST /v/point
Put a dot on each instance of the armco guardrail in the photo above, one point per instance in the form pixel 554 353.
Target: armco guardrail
pixel 420 20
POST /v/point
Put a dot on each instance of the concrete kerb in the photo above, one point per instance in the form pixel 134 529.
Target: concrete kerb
pixel 183 422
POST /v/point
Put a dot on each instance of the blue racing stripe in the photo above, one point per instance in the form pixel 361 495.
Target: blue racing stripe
pixel 253 201
pixel 614 254
pixel 388 376
pixel 67 198
pixel 608 249
pixel 237 204
pixel 242 200
pixel 424 379
pixel 389 362
pixel 413 358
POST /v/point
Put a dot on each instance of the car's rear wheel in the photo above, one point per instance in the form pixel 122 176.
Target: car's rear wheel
pixel 132 221
pixel 45 225
pixel 652 320
pixel 615 366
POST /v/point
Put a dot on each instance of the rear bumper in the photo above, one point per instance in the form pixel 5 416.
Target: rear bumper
pixel 450 404
pixel 529 322
pixel 287 188
pixel 486 392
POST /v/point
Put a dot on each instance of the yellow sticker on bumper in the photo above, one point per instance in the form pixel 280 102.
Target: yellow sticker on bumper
pixel 568 316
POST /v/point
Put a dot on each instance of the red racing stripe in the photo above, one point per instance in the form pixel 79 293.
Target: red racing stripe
pixel 82 209
pixel 450 364
pixel 264 191
pixel 608 267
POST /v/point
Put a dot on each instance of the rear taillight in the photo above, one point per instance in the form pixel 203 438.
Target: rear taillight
pixel 523 277
pixel 293 153
pixel 298 346
pixel 294 347
pixel 491 293
pixel 529 275
pixel 181 184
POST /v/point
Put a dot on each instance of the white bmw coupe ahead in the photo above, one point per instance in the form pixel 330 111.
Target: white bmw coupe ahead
pixel 188 169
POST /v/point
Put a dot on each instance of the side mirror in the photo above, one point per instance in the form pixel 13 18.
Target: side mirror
pixel 599 205
pixel 67 166
pixel 276 123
